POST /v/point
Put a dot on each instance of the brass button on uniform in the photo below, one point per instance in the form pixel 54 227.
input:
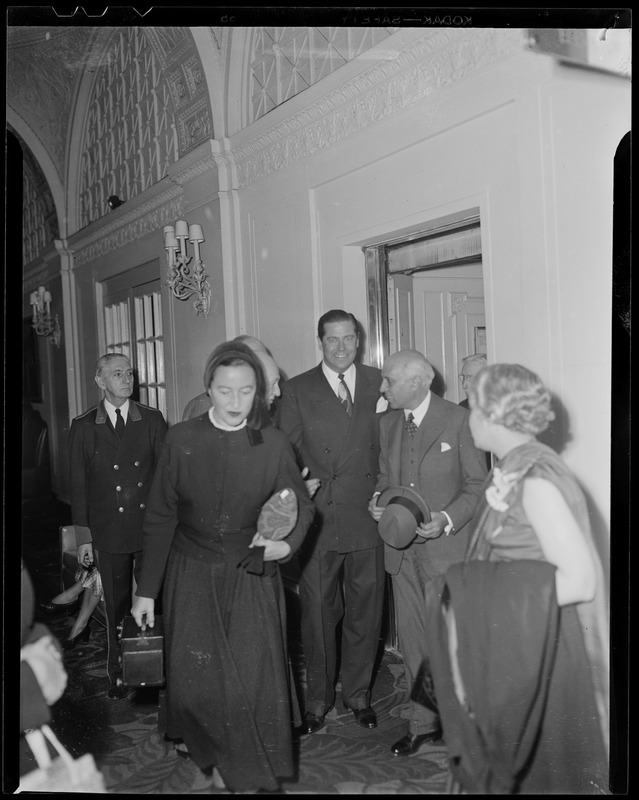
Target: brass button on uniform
pixel 140 484
pixel 142 505
pixel 115 466
pixel 121 510
pixel 118 488
pixel 137 463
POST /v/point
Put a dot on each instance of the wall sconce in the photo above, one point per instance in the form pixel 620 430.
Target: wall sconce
pixel 183 277
pixel 43 323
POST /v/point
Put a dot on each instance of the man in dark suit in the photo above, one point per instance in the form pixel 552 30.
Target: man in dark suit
pixel 426 445
pixel 113 450
pixel 330 416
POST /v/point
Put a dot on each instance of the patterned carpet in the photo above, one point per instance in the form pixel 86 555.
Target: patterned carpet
pixel 123 735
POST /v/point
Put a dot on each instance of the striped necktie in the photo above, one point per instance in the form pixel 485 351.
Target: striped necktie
pixel 410 426
pixel 345 396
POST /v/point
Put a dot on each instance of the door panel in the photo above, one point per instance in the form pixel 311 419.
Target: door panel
pixel 401 324
pixel 447 312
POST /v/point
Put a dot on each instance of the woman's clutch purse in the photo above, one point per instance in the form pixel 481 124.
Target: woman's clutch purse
pixel 278 515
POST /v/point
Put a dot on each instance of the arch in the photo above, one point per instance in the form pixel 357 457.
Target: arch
pixel 45 162
pixel 94 52
pixel 236 69
pixel 209 50
pixel 171 86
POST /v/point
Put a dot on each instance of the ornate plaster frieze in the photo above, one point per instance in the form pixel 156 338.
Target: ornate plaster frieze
pixel 148 217
pixel 169 43
pixel 42 277
pixel 195 125
pixel 437 60
pixel 200 167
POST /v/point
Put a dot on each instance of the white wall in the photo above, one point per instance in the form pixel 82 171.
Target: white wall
pixel 531 144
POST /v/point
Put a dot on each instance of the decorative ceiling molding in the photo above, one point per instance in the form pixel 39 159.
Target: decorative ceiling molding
pixel 435 61
pixel 148 217
pixel 42 71
pixel 200 167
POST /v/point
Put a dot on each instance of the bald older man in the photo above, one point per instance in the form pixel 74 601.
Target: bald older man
pixel 425 444
pixel 200 404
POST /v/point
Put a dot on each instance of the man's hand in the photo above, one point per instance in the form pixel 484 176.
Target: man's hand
pixel 374 510
pixel 143 612
pixel 312 484
pixel 85 554
pixel 434 528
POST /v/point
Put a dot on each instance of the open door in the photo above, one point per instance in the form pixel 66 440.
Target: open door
pixel 401 316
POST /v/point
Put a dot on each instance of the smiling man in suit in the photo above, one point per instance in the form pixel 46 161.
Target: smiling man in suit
pixel 330 415
pixel 425 445
pixel 113 450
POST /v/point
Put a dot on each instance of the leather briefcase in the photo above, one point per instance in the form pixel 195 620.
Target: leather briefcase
pixel 142 653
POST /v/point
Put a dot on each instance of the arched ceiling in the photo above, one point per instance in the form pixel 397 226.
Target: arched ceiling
pixel 44 66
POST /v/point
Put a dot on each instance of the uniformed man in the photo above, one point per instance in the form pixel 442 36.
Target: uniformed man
pixel 113 449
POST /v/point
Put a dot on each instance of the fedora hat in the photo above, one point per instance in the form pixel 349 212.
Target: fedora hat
pixel 404 511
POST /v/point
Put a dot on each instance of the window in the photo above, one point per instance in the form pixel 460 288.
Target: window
pixel 133 327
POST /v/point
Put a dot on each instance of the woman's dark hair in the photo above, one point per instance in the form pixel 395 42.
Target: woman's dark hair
pixel 233 354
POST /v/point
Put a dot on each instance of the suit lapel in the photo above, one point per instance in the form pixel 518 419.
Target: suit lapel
pixel 395 425
pixel 432 425
pixel 365 394
pixel 347 430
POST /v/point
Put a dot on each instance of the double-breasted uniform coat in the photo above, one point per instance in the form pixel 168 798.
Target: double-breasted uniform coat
pixel 110 482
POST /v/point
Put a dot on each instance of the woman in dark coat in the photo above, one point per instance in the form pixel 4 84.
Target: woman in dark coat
pixel 229 692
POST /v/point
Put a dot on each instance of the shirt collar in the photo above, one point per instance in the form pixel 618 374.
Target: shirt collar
pixel 222 425
pixel 110 409
pixel 333 377
pixel 420 412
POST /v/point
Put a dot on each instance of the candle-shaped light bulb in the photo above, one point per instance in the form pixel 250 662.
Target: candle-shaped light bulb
pixel 169 232
pixel 47 300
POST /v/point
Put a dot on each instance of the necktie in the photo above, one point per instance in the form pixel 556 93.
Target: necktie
pixel 119 423
pixel 410 425
pixel 345 396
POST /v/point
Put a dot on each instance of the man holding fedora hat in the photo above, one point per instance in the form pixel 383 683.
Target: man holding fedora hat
pixel 430 478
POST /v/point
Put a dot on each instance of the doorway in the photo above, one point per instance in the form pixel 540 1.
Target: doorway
pixel 426 292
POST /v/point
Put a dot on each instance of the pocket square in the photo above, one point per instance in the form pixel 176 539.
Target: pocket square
pixel 444 446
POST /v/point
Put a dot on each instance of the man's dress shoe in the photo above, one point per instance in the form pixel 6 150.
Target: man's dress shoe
pixel 365 717
pixel 410 744
pixel 313 723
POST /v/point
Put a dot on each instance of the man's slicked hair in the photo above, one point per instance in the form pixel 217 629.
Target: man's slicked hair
pixel 336 315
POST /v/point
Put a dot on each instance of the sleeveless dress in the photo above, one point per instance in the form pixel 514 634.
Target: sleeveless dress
pixel 571 752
